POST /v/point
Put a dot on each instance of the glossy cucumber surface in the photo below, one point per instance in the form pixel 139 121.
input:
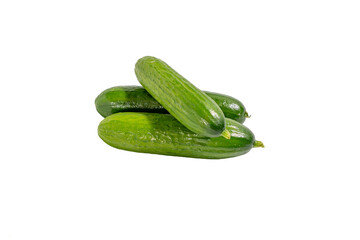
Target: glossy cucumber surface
pixel 137 99
pixel 188 104
pixel 162 134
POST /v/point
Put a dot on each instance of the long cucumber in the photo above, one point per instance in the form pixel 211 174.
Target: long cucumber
pixel 137 99
pixel 162 134
pixel 188 104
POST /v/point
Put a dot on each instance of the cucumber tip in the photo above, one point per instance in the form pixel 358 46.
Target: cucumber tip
pixel 226 134
pixel 258 144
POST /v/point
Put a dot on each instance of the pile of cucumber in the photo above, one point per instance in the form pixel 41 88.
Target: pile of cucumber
pixel 170 116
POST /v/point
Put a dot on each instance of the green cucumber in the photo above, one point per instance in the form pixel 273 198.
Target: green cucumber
pixel 162 134
pixel 137 99
pixel 189 105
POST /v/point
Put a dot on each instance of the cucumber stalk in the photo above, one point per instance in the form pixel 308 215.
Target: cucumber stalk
pixel 226 134
pixel 258 144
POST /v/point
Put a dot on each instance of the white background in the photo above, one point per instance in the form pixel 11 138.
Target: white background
pixel 294 64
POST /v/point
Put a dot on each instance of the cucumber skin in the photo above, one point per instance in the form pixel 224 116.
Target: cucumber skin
pixel 137 99
pixel 188 104
pixel 162 134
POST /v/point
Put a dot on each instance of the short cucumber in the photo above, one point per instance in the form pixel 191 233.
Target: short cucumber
pixel 162 134
pixel 137 99
pixel 188 104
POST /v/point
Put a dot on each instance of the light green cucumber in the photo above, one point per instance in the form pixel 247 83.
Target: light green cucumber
pixel 188 104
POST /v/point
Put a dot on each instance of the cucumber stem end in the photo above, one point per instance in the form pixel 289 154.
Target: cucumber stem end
pixel 226 134
pixel 258 144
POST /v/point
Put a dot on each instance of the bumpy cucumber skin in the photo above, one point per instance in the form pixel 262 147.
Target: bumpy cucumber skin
pixel 188 104
pixel 137 99
pixel 162 134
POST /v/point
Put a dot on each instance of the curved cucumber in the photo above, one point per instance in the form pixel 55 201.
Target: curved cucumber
pixel 162 134
pixel 189 105
pixel 137 99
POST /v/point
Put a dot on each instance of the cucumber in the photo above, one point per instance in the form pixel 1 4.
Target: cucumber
pixel 189 105
pixel 162 134
pixel 137 99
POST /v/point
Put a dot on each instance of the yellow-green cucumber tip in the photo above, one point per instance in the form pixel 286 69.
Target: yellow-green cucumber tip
pixel 258 144
pixel 226 134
